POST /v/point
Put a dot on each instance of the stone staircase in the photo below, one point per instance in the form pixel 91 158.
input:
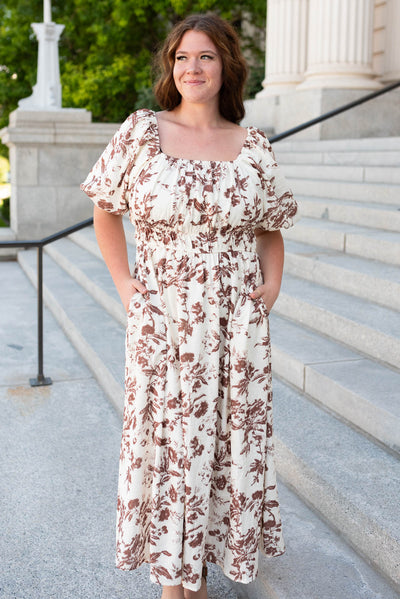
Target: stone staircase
pixel 336 361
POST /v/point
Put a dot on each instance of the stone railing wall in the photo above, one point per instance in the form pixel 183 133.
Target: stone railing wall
pixel 51 153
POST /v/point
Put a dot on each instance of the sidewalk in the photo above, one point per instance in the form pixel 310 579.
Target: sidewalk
pixel 58 472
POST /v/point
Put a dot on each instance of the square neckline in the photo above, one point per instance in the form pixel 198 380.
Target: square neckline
pixel 198 160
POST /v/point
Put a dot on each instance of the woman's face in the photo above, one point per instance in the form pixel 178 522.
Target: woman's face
pixel 198 68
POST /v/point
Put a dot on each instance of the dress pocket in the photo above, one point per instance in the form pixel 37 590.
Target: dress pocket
pixel 249 312
pixel 260 302
pixel 134 319
pixel 135 304
pixel 134 324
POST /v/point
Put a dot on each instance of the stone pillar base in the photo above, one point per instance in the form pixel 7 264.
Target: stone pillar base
pixel 377 118
pixel 277 88
pixel 340 81
pixel 51 152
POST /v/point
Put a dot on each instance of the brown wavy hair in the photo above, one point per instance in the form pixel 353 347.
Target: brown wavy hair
pixel 234 67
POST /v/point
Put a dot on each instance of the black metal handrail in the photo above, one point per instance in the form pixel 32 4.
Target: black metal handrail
pixel 334 112
pixel 41 379
pixel 39 244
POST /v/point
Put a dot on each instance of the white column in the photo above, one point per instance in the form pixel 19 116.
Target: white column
pixel 47 91
pixel 47 11
pixel 285 59
pixel 392 45
pixel 340 45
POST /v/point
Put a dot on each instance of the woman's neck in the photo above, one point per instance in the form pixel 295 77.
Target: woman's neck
pixel 198 116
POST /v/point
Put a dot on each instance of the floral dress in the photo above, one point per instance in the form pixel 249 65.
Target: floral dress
pixel 197 479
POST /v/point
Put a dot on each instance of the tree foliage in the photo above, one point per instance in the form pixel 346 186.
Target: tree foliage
pixel 107 48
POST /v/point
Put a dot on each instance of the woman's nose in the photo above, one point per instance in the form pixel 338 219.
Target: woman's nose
pixel 193 66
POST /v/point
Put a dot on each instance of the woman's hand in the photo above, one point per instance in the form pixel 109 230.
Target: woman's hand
pixel 271 252
pixel 127 289
pixel 269 294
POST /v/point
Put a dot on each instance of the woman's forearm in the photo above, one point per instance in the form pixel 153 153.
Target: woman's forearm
pixel 110 236
pixel 112 243
pixel 270 249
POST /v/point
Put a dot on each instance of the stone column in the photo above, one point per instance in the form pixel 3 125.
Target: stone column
pixel 285 59
pixel 340 45
pixel 392 47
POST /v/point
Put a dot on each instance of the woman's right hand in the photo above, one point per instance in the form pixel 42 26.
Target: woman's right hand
pixel 128 288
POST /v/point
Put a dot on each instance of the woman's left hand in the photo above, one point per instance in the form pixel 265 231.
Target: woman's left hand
pixel 268 294
pixel 271 252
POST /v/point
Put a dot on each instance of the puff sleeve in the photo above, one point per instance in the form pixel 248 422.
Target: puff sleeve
pixel 107 184
pixel 278 204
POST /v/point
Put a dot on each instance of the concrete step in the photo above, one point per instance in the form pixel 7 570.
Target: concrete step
pixel 349 238
pixel 344 173
pixel 317 564
pixel 360 277
pixel 86 238
pixel 353 484
pixel 362 525
pixel 357 390
pixel 376 216
pixel 378 193
pixel 361 146
pixel 89 271
pixel 85 323
pixel 382 174
pixel 370 329
pixel 363 158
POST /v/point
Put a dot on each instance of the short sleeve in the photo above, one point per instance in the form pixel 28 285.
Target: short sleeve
pixel 107 184
pixel 278 204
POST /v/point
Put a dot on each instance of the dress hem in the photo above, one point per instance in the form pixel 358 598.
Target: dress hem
pixel 217 563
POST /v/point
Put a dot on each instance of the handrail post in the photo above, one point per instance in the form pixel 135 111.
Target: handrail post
pixel 39 244
pixel 40 380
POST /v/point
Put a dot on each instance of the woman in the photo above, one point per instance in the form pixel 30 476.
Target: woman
pixel 197 479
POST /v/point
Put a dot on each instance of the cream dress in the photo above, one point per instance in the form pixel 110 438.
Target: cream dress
pixel 197 478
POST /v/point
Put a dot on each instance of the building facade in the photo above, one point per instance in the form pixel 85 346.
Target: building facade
pixel 323 53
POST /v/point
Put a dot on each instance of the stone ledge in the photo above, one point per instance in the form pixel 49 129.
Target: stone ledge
pixel 87 134
pixel 379 117
pixel 7 234
pixel 63 115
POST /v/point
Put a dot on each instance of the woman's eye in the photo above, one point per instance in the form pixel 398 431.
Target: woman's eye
pixel 202 57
